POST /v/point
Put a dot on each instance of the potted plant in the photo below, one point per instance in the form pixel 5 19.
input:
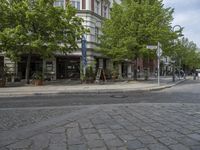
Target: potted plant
pixel 114 74
pixel 37 78
pixel 89 74
pixel 108 74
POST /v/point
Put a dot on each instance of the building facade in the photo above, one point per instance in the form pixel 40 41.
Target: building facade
pixel 92 12
pixel 68 66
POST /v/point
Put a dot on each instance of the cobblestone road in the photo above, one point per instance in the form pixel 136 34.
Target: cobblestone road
pixel 14 118
pixel 112 127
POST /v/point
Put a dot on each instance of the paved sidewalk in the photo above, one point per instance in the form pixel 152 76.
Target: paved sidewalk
pixel 109 87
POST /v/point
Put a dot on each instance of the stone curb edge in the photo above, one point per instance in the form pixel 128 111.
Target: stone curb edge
pixel 166 86
pixel 101 91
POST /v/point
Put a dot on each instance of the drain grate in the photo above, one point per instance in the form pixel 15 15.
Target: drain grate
pixel 118 96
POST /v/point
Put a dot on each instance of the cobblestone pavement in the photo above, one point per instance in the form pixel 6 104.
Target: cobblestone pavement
pixel 14 118
pixel 113 127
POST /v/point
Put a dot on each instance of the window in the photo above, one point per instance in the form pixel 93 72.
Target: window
pixel 49 66
pixel 105 11
pixel 97 34
pixel 76 4
pixel 97 7
pixel 59 3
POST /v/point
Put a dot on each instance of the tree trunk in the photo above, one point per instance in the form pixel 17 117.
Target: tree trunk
pixel 135 69
pixel 28 68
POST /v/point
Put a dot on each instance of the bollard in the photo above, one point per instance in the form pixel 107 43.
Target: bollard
pixel 194 77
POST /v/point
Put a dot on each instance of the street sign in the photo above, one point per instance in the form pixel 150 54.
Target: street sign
pixel 159 52
pixel 151 47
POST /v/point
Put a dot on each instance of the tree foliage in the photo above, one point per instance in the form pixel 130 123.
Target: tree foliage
pixel 133 25
pixel 37 27
pixel 187 53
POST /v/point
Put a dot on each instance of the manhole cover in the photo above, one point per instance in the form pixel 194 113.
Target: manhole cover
pixel 118 96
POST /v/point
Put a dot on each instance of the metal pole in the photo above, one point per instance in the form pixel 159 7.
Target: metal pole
pixel 173 73
pixel 84 71
pixel 158 55
pixel 173 29
pixel 179 69
pixel 158 71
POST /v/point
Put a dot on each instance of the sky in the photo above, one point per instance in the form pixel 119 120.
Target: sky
pixel 187 15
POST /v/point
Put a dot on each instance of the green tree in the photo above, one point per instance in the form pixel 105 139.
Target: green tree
pixel 187 53
pixel 37 27
pixel 133 25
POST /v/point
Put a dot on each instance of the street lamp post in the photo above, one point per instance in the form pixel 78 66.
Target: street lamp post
pixel 173 71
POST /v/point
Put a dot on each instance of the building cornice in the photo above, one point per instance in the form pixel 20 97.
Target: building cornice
pixel 91 13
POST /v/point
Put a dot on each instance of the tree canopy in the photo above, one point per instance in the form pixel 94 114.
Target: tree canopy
pixel 37 27
pixel 187 53
pixel 133 24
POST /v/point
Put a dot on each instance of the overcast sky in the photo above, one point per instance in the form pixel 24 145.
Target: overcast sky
pixel 187 14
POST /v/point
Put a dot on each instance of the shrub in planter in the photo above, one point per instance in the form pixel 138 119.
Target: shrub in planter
pixel 114 73
pixel 108 74
pixel 89 74
pixel 37 78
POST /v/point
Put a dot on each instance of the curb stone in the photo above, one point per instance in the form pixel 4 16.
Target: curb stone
pixel 166 86
pixel 93 91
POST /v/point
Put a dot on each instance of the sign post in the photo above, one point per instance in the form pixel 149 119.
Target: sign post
pixel 159 53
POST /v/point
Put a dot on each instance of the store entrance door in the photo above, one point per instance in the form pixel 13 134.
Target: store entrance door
pixel 68 67
pixel 124 69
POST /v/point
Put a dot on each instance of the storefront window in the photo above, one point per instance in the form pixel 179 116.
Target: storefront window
pixel 97 7
pixel 49 66
pixel 68 67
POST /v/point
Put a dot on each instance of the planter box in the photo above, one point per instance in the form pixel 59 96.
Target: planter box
pixel 37 82
pixel 2 83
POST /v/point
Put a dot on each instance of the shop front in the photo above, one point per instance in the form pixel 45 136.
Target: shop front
pixel 68 67
pixel 36 65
